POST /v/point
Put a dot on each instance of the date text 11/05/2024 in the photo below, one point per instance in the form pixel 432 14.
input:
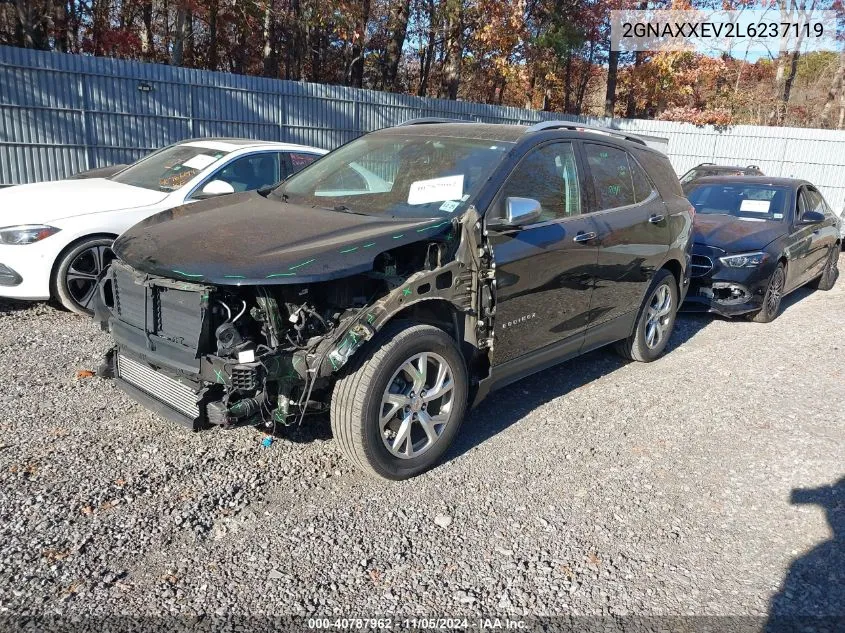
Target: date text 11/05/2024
pixel 417 623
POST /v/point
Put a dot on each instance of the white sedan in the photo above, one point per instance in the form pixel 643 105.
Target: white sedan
pixel 55 237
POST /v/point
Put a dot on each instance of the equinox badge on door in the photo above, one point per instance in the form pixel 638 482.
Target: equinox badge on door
pixel 509 324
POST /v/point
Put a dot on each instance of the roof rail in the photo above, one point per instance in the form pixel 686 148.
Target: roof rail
pixel 574 125
pixel 431 119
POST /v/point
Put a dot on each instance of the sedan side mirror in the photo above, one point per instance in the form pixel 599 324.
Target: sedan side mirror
pixel 519 212
pixel 812 217
pixel 215 188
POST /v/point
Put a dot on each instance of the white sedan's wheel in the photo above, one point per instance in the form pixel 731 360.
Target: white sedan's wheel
pixel 78 271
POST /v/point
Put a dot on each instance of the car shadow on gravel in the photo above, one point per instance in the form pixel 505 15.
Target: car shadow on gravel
pixel 509 405
pixel 13 305
pixel 812 596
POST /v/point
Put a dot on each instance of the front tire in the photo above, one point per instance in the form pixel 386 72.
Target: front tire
pixel 773 297
pixel 78 270
pixel 655 321
pixel 830 274
pixel 401 401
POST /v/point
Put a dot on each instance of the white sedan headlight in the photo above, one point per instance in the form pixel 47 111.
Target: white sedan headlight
pixel 743 260
pixel 26 233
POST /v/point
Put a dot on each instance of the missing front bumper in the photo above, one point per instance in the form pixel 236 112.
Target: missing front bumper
pixel 167 396
pixel 721 297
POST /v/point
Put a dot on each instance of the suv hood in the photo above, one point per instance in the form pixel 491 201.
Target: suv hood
pixel 43 202
pixel 736 235
pixel 247 239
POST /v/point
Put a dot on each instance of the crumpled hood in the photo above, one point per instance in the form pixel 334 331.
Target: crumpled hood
pixel 735 235
pixel 44 202
pixel 247 239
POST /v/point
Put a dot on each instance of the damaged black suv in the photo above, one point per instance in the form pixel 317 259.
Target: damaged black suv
pixel 398 280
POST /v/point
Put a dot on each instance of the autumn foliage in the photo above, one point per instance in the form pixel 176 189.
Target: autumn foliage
pixel 543 54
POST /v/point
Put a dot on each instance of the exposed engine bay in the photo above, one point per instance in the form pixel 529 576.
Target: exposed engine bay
pixel 268 354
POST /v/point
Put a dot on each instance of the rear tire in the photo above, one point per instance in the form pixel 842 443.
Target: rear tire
pixel 77 270
pixel 386 415
pixel 655 321
pixel 773 297
pixel 830 274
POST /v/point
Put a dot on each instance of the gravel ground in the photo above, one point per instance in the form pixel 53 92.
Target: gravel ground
pixel 597 487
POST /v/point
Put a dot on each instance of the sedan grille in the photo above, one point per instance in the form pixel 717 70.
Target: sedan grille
pixel 701 265
pixel 163 388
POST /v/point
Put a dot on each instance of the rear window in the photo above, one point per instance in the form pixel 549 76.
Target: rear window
pixel 747 202
pixel 660 171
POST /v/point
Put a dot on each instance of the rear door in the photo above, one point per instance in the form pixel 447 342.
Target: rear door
pixel 544 271
pixel 633 230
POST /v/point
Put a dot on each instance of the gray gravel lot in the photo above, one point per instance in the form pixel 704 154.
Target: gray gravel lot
pixel 597 487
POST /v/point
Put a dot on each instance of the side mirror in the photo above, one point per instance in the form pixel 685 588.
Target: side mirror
pixel 215 188
pixel 519 212
pixel 812 217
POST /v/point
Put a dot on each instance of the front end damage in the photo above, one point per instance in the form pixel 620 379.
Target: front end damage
pixel 721 290
pixel 224 355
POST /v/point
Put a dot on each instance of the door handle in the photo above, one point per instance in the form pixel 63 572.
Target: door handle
pixel 656 219
pixel 585 237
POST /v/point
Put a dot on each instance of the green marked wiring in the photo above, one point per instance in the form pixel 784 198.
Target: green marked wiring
pixel 220 378
pixel 396 237
pixel 280 275
pixel 368 245
pixel 184 274
pixel 349 250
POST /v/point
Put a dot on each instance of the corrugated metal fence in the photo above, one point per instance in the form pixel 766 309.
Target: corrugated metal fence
pixel 60 114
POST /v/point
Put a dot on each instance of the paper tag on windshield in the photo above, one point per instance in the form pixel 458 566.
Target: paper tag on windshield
pixel 755 206
pixel 436 190
pixel 200 161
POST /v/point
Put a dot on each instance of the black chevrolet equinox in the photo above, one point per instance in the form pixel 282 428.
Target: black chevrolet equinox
pixel 398 280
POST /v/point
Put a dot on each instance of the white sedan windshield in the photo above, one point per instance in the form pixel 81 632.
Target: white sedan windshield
pixel 170 168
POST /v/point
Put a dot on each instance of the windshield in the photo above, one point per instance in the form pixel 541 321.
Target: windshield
pixel 691 175
pixel 407 177
pixel 169 169
pixel 748 202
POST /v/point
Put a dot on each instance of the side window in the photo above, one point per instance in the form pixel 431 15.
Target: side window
pixel 802 204
pixel 815 201
pixel 299 160
pixel 611 176
pixel 251 172
pixel 642 185
pixel 550 176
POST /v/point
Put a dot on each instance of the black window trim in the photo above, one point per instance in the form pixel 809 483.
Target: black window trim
pixel 594 197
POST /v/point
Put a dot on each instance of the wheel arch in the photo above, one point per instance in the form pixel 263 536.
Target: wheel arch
pixel 54 269
pixel 677 270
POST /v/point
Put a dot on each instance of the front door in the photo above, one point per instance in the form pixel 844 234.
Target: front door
pixel 808 251
pixel 544 271
pixel 633 231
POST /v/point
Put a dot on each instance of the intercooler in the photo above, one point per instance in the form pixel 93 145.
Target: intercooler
pixel 166 390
